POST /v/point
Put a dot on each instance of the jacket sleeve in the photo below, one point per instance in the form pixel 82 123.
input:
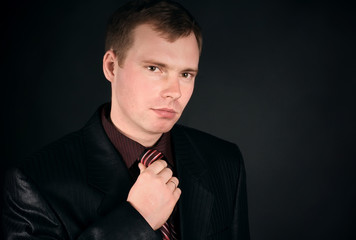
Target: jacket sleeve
pixel 240 227
pixel 27 215
pixel 105 229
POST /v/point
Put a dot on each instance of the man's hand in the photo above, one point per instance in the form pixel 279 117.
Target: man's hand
pixel 155 193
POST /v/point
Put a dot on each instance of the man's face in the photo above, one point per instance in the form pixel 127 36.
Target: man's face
pixel 154 84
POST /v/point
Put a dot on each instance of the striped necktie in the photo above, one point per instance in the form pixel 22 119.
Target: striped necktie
pixel 147 159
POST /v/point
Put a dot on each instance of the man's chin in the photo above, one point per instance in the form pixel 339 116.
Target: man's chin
pixel 163 128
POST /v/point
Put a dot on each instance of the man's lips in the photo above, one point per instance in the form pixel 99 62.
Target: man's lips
pixel 165 112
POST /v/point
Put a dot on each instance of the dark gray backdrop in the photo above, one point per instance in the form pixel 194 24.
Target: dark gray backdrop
pixel 276 77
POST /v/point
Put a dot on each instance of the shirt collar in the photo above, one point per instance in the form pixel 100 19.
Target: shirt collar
pixel 129 149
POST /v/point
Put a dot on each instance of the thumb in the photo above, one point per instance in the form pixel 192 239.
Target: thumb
pixel 141 167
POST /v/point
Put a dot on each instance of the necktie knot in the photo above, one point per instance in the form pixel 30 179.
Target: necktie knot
pixel 150 156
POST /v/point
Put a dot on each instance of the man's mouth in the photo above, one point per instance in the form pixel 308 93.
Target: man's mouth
pixel 165 112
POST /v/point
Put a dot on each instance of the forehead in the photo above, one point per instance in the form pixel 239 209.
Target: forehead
pixel 149 43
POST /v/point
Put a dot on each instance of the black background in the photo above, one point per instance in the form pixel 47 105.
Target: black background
pixel 276 77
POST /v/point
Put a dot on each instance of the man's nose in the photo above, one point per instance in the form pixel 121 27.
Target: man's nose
pixel 172 88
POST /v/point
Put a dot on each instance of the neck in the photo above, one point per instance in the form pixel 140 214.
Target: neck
pixel 146 140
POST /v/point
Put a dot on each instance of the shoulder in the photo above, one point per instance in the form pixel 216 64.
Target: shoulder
pixel 66 154
pixel 43 178
pixel 218 155
pixel 49 165
pixel 205 140
pixel 58 150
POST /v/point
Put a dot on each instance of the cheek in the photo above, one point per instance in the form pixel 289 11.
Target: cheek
pixel 128 85
pixel 138 93
pixel 187 92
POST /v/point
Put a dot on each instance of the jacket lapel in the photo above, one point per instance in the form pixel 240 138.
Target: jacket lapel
pixel 196 201
pixel 105 169
pixel 107 173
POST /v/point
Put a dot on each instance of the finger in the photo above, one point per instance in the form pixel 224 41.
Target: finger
pixel 176 193
pixel 141 167
pixel 173 183
pixel 165 174
pixel 157 166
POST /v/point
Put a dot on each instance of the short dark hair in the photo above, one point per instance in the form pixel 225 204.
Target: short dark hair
pixel 169 18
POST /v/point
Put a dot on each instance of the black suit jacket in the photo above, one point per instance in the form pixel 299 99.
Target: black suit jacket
pixel 76 188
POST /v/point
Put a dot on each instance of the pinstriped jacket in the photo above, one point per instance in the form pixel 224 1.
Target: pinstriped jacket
pixel 76 188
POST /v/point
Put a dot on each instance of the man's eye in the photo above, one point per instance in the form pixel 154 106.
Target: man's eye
pixel 152 68
pixel 187 75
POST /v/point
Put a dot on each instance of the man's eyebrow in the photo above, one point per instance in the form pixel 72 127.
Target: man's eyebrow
pixel 191 70
pixel 163 65
pixel 153 62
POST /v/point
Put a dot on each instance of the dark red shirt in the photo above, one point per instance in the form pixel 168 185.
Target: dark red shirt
pixel 131 151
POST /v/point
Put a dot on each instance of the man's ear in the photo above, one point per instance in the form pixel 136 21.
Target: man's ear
pixel 109 65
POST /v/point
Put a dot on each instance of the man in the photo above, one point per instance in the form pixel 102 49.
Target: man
pixel 95 183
